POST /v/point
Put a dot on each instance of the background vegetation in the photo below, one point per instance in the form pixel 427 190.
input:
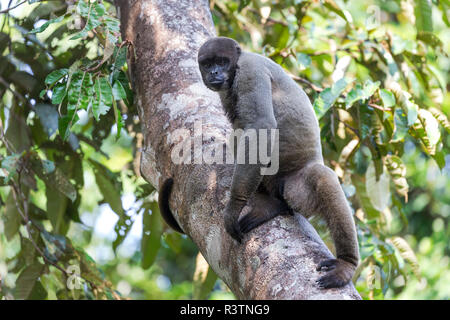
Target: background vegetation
pixel 72 200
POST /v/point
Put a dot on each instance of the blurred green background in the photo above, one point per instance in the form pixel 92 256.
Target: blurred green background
pixel 73 203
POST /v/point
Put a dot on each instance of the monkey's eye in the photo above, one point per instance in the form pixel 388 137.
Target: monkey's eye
pixel 207 64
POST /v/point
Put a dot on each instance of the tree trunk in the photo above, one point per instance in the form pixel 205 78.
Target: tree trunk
pixel 276 260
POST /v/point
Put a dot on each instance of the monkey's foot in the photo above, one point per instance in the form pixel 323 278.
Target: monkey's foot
pixel 250 221
pixel 339 273
pixel 265 209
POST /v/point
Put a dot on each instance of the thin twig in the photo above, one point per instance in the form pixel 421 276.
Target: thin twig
pixel 373 105
pixel 307 82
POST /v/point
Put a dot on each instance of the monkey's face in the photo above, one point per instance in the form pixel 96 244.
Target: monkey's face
pixel 217 59
pixel 216 72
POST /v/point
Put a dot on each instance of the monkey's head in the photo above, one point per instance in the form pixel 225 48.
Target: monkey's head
pixel 217 59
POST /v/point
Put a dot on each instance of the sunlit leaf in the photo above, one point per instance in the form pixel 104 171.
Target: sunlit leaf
pixel 151 234
pixel 56 76
pixel 46 24
pixel 11 217
pixel 118 91
pixel 422 11
pixel 328 97
pixel 388 98
pixel 103 97
pixel 427 130
pixel 406 253
pixel 377 190
pixel 204 278
pixel 27 286
pixel 441 118
pixel 397 170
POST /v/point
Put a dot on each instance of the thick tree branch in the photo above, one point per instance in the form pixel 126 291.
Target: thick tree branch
pixel 278 259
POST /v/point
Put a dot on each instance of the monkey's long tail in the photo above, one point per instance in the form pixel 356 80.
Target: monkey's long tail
pixel 164 208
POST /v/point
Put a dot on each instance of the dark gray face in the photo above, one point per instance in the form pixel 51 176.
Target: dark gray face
pixel 216 72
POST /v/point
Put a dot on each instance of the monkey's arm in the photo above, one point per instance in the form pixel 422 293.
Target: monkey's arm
pixel 254 112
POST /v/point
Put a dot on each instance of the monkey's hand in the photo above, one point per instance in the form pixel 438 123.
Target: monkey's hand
pixel 339 273
pixel 232 224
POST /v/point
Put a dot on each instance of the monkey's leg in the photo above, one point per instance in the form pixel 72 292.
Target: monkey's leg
pixel 264 208
pixel 315 189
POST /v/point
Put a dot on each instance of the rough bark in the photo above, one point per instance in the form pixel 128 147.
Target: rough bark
pixel 278 259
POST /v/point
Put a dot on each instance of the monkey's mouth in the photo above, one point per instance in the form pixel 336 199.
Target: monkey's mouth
pixel 216 84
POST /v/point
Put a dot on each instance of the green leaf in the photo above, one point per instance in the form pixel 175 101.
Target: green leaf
pixel 328 97
pixel 11 164
pixel 445 6
pixel 387 97
pixel 103 97
pixel 80 91
pixel 354 95
pixel 430 38
pixel 397 171
pixel 333 6
pixel 122 228
pixel 118 91
pixel 112 24
pixel 151 235
pixel 46 24
pixel 441 118
pixel 361 92
pixel 122 77
pixel 109 186
pixel 27 281
pixel 88 268
pixel 56 210
pixel 303 60
pixel 11 218
pixel 363 196
pixel 56 178
pixel 406 253
pixel 204 279
pixel 378 190
pixel 403 99
pixel 439 157
pixel 38 292
pixel 4 41
pixel 427 130
pixel 120 58
pixel 422 11
pixel 400 125
pixel 65 123
pixel 18 133
pixel 173 240
pixel 59 93
pixel 92 13
pixel 56 76
pixel 119 120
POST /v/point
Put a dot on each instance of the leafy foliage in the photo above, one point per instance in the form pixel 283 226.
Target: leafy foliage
pixel 377 73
